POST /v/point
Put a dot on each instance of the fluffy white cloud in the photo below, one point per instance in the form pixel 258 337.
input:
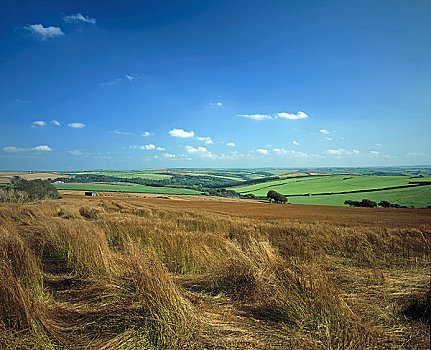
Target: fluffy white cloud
pixel 38 123
pixel 181 133
pixel 324 131
pixel 44 32
pixel 341 151
pixel 55 122
pixel 76 152
pixel 296 143
pixel 281 150
pixel 329 138
pixel 146 134
pixel 231 144
pixel 207 140
pixel 299 115
pixel 43 148
pixel 374 152
pixel 334 151
pixel 217 104
pixel 200 149
pixel 13 149
pixel 148 147
pixel 160 148
pixel 255 116
pixel 262 151
pixel 76 125
pixel 169 155
pixel 291 152
pixel 79 17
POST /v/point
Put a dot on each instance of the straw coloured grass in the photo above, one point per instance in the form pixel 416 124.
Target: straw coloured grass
pixel 147 274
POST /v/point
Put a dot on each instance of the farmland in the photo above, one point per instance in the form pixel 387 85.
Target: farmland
pixel 130 273
pixel 130 188
pixel 403 186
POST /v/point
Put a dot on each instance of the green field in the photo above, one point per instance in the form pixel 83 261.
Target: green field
pixel 133 188
pixel 327 184
pixel 419 197
pixel 297 184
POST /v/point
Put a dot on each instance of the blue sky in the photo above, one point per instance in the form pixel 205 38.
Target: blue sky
pixel 147 84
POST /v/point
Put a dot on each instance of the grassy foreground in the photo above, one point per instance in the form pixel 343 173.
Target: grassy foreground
pixel 150 274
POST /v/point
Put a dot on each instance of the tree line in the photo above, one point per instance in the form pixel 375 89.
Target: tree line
pixel 366 203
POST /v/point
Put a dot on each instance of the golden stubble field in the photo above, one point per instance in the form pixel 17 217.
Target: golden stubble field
pixel 130 273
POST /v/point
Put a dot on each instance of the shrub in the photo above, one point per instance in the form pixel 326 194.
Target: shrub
pixel 35 189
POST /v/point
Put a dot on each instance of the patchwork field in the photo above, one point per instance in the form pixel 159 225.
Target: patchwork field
pixel 128 273
pixel 374 187
pixel 129 188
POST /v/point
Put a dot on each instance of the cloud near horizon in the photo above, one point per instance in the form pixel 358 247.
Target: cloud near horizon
pixel 44 32
pixel 181 133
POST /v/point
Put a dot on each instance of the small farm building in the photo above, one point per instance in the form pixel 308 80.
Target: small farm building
pixel 91 193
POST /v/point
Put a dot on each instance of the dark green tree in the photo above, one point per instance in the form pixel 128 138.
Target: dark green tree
pixel 277 197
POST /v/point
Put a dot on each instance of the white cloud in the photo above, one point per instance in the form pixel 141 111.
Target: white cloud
pixel 200 149
pixel 416 154
pixel 217 104
pixel 281 150
pixel 55 122
pixel 43 148
pixel 13 149
pixel 44 32
pixel 130 77
pixel 76 152
pixel 296 143
pixel 292 152
pixel 324 131
pixel 38 123
pixel 255 116
pixel 355 151
pixel 119 132
pixel 160 148
pixel 379 145
pixel 146 134
pixel 329 138
pixel 231 144
pixel 262 151
pixel 79 17
pixel 181 133
pixel 169 155
pixel 148 147
pixel 374 152
pixel 207 140
pixel 299 115
pixel 334 151
pixel 76 125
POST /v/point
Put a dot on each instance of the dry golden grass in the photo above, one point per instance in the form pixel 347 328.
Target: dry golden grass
pixel 109 273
